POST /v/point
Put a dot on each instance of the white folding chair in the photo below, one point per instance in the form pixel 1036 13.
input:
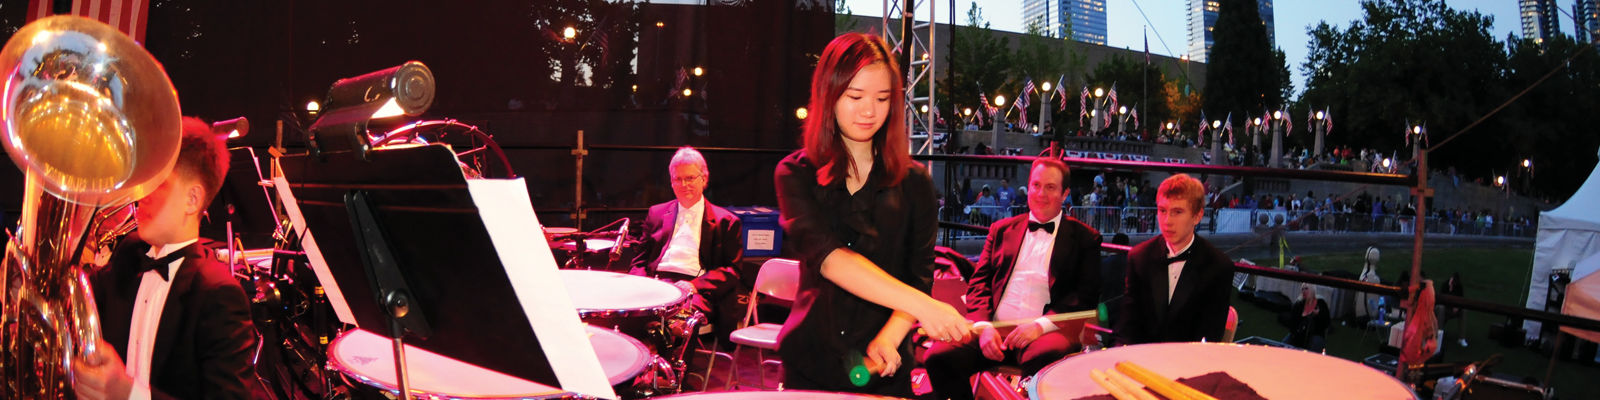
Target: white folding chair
pixel 779 278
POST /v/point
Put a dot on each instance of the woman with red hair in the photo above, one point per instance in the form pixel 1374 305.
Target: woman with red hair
pixel 861 217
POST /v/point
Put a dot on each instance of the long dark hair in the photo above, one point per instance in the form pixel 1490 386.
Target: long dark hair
pixel 840 62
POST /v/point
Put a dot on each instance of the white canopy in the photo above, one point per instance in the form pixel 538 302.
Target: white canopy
pixel 1567 234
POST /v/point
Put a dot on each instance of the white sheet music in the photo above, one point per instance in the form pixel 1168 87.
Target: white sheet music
pixel 519 240
pixel 314 253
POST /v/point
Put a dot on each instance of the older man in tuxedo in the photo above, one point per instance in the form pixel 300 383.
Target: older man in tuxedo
pixel 1044 262
pixel 689 241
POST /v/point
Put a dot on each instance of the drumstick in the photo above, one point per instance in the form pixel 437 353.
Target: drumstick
pixel 1127 383
pixel 1053 318
pixel 1161 384
pixel 1099 378
pixel 1120 386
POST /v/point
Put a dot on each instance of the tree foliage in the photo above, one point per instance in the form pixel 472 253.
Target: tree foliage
pixel 1555 123
pixel 1242 74
pixel 1151 94
pixel 979 63
pixel 1043 58
pixel 1419 61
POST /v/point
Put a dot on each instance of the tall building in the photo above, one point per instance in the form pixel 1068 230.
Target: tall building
pixel 1203 20
pixel 1086 19
pixel 1539 19
pixel 1586 20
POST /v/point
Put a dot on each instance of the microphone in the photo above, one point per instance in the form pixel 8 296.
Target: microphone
pixel 616 248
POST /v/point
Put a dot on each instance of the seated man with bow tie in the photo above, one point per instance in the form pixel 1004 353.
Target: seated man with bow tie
pixel 1178 285
pixel 1045 262
pixel 167 307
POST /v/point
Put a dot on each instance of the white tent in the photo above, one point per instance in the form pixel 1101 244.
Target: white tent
pixel 1567 234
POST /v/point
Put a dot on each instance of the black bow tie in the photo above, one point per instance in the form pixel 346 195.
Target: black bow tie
pixel 1048 227
pixel 159 265
pixel 1184 256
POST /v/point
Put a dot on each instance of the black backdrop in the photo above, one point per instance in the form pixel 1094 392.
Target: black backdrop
pixel 505 67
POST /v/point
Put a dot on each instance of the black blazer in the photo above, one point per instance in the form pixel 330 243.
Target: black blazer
pixel 1199 307
pixel 1074 267
pixel 205 340
pixel 721 237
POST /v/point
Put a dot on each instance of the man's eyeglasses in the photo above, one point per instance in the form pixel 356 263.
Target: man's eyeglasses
pixel 687 178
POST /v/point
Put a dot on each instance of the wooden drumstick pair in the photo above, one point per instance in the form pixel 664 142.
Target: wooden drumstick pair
pixel 1072 320
pixel 863 372
pixel 1127 387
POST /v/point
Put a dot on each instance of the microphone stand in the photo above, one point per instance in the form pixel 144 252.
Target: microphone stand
pixel 616 248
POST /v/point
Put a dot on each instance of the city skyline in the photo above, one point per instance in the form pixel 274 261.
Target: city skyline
pixel 1167 21
pixel 1086 18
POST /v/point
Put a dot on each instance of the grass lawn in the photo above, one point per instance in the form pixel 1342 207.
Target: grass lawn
pixel 1494 275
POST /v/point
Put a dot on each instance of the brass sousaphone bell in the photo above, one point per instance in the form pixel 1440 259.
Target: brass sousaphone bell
pixel 93 122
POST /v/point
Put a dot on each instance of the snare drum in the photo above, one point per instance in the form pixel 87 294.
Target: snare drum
pixel 369 358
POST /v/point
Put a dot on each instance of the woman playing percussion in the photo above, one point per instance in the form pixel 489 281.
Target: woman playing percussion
pixel 861 218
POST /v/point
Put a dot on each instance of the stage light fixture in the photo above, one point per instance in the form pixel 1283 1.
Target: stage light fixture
pixel 406 89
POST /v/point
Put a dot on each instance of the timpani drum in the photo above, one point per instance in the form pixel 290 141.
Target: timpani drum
pixel 369 358
pixel 1274 373
pixel 783 395
pixel 634 305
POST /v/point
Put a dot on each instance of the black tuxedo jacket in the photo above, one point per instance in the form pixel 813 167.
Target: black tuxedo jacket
pixel 205 340
pixel 721 238
pixel 1199 306
pixel 1074 267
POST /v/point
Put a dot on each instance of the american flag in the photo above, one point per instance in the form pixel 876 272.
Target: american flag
pixel 1113 96
pixel 1022 98
pixel 1288 123
pixel 1228 127
pixel 1328 116
pixel 127 16
pixel 683 78
pixel 1083 105
pixel 1061 93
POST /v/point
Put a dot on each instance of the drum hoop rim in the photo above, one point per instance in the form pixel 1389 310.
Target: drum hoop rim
pixel 631 372
pixel 1033 384
pixel 655 310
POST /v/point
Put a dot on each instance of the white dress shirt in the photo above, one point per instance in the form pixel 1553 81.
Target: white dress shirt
pixel 1028 289
pixel 683 252
pixel 147 307
pixel 1175 270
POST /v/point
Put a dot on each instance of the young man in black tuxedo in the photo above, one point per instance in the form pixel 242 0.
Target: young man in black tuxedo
pixel 1178 285
pixel 167 306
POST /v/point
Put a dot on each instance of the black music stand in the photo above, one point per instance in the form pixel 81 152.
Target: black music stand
pixel 253 217
pixel 402 228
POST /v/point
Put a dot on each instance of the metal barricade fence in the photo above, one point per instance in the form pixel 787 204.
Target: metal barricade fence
pixel 1142 221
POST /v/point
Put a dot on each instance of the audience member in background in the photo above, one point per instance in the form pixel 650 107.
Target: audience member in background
pixel 1004 196
pixel 1307 321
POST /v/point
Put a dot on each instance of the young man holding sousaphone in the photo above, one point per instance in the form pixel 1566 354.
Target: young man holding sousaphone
pixel 167 306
